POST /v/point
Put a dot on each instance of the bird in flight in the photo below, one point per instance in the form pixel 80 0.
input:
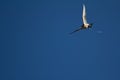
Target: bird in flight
pixel 85 24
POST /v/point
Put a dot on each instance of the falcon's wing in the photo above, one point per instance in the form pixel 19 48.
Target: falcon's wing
pixel 75 31
pixel 78 29
pixel 84 15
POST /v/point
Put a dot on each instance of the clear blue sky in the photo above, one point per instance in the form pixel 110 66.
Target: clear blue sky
pixel 35 44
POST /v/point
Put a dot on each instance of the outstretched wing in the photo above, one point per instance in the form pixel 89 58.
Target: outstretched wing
pixel 78 29
pixel 84 15
pixel 75 31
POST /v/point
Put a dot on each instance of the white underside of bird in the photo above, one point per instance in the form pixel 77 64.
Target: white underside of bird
pixel 84 17
pixel 85 23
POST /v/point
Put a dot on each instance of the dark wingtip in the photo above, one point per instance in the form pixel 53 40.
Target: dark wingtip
pixel 71 33
pixel 91 24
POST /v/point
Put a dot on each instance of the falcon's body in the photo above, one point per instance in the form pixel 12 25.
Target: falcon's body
pixel 85 23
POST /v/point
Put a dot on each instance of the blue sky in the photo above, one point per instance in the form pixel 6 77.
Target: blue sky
pixel 36 45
